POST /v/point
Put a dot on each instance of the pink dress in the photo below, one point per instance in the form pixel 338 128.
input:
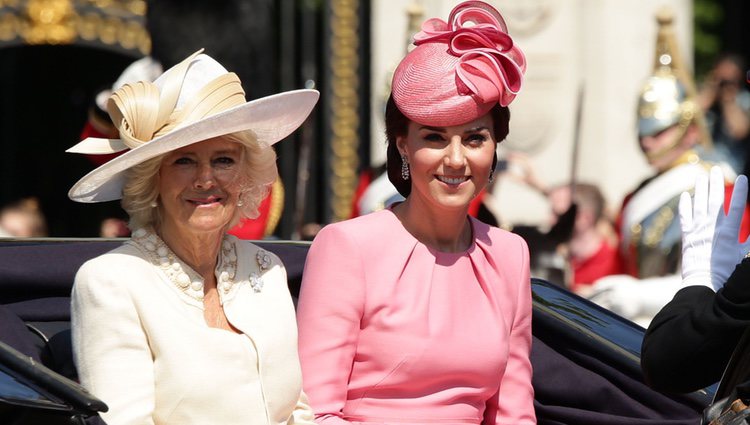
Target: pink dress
pixel 394 332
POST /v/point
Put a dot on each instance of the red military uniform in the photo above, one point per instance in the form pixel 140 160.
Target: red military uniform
pixel 604 262
pixel 648 224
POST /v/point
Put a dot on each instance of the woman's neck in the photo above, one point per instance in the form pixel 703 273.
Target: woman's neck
pixel 198 250
pixel 447 230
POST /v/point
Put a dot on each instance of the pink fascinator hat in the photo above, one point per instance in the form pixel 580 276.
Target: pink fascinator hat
pixel 460 69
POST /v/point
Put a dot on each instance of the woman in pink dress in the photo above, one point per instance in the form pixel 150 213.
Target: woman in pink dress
pixel 420 314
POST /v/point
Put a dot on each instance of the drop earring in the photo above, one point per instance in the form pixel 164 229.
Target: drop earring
pixel 492 175
pixel 404 168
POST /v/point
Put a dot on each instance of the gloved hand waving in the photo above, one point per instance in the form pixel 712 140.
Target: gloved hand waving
pixel 697 221
pixel 727 251
pixel 710 241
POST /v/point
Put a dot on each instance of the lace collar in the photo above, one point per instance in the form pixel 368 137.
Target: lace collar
pixel 188 281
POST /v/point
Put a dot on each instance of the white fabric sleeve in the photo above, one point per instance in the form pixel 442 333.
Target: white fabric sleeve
pixel 110 347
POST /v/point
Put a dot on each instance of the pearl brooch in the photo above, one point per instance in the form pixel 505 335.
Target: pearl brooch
pixel 264 262
pixel 256 282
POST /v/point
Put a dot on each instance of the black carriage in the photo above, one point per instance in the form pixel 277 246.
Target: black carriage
pixel 585 358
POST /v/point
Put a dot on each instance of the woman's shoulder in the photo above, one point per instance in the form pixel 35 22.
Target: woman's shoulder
pixel 495 239
pixel 124 257
pixel 492 233
pixel 380 219
pixel 249 250
pixel 376 231
pixel 252 258
pixel 368 227
pixel 117 268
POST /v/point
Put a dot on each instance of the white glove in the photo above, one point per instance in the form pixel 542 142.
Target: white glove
pixel 727 251
pixel 619 293
pixel 697 222
pixel 635 299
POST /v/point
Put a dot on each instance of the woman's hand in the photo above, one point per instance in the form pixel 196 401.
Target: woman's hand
pixel 697 221
pixel 727 251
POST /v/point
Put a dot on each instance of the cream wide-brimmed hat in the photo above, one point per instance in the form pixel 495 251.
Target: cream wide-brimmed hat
pixel 144 69
pixel 195 100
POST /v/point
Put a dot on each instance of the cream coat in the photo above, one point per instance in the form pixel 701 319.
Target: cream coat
pixel 143 347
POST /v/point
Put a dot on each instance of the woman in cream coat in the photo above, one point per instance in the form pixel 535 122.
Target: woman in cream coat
pixel 185 324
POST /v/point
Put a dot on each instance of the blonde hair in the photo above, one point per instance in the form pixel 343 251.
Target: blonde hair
pixel 257 172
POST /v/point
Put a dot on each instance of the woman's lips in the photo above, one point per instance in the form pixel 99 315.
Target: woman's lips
pixel 452 180
pixel 205 201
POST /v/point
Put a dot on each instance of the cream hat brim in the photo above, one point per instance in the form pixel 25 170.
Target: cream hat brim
pixel 269 119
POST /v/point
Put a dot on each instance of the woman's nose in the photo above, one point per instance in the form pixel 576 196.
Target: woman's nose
pixel 205 178
pixel 454 156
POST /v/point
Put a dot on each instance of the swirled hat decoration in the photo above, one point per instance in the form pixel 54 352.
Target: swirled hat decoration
pixel 193 101
pixel 459 69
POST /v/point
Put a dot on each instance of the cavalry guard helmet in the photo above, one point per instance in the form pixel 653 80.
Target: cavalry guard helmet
pixel 668 96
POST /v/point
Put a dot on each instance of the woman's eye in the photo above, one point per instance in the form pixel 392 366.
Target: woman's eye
pixel 433 137
pixel 224 162
pixel 183 161
pixel 476 139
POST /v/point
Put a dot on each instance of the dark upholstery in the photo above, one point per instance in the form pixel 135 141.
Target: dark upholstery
pixel 46 309
pixel 43 270
pixel 13 332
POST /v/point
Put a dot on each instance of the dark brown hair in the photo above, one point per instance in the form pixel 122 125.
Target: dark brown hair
pixel 397 124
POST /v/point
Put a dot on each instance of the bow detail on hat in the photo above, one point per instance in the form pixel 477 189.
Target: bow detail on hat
pixel 490 66
pixel 142 112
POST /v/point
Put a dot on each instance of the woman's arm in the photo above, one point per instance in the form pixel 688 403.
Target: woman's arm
pixel 514 402
pixel 688 344
pixel 109 345
pixel 330 308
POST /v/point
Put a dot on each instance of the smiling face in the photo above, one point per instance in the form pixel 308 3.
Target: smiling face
pixel 449 166
pixel 199 187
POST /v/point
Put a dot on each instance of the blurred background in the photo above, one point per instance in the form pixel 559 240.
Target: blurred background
pixel 587 60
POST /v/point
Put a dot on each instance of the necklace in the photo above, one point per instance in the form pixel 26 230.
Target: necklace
pixel 183 276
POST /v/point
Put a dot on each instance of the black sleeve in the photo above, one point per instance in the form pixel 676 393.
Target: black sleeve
pixel 689 342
